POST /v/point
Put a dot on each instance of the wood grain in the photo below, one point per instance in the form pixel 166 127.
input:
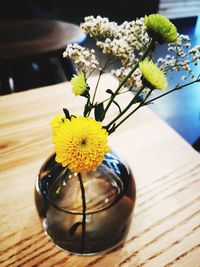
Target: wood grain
pixel 165 230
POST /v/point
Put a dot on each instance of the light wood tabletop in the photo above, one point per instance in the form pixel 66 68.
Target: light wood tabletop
pixel 165 229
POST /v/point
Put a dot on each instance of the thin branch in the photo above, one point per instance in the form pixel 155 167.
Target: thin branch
pixel 95 90
pixel 120 93
pixel 133 111
pixel 144 103
pixel 122 83
pixel 107 64
pixel 175 89
pixel 126 108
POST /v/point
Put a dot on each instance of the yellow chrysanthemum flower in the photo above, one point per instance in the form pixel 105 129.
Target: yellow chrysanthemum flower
pixel 57 121
pixel 79 85
pixel 161 29
pixel 81 144
pixel 154 77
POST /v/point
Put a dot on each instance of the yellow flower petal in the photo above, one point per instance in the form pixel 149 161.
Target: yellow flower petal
pixel 79 85
pixel 153 75
pixel 160 28
pixel 57 121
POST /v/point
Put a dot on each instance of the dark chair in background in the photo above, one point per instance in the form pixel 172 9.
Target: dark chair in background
pixel 31 53
pixel 32 41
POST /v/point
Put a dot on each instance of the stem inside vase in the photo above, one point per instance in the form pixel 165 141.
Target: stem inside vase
pixel 84 213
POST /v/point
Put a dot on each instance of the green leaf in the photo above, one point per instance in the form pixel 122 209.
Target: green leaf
pixel 115 102
pixel 67 115
pixel 112 129
pixel 109 91
pixel 99 111
pixel 86 93
pixel 87 109
pixel 74 228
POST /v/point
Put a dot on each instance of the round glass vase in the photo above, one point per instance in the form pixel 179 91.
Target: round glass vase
pixel 109 201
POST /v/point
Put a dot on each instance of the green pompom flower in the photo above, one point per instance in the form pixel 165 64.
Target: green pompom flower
pixel 79 85
pixel 160 29
pixel 152 75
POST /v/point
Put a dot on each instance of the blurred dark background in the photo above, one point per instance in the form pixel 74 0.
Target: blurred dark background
pixel 114 10
pixel 19 76
pixel 75 11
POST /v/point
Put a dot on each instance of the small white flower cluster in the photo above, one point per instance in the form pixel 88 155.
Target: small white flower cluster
pixel 99 27
pixel 127 43
pixel 115 48
pixel 121 41
pixel 135 33
pixel 134 40
pixel 181 57
pixel 84 58
pixel 133 82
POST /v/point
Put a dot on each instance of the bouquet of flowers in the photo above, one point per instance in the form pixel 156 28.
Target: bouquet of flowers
pixel 80 140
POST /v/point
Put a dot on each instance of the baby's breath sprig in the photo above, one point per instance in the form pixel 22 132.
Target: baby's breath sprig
pixel 181 57
pixel 84 58
pixel 99 28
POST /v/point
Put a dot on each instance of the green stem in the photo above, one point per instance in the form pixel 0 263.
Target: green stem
pixel 120 93
pixel 133 111
pixel 84 213
pixel 126 108
pixel 175 89
pixel 107 64
pixel 144 103
pixel 85 112
pixel 122 83
pixel 95 90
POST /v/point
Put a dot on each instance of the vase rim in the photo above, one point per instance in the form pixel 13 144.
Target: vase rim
pixel 119 196
pixel 76 212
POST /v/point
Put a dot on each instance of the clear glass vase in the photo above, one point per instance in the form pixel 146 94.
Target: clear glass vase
pixel 109 198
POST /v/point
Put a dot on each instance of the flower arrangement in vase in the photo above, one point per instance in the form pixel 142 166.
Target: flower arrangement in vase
pixel 84 185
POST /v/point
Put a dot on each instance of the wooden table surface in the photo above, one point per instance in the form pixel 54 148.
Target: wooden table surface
pixel 165 229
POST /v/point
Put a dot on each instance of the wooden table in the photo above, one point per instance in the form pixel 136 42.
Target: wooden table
pixel 165 230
